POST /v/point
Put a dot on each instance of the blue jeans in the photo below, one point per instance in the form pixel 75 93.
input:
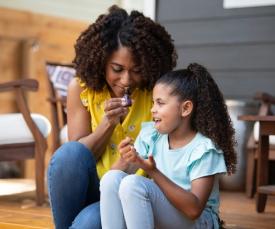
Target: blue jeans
pixel 134 202
pixel 73 187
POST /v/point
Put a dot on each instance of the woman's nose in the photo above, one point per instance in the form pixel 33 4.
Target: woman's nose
pixel 126 79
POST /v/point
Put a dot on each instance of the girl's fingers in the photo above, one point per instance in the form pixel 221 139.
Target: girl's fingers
pixel 126 141
pixel 123 151
pixel 130 157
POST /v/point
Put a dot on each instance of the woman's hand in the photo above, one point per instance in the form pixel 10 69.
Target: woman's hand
pixel 79 120
pixel 114 110
pixel 130 155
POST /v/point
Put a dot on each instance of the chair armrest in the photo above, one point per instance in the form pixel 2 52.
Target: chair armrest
pixel 255 118
pixel 264 97
pixel 18 86
pixel 251 143
pixel 25 84
pixel 61 100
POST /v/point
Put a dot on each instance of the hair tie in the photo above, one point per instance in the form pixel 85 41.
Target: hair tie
pixel 192 68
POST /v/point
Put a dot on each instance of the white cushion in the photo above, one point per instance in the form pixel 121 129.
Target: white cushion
pixel 256 131
pixel 63 135
pixel 13 128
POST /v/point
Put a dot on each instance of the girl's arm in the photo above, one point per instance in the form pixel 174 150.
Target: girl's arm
pixel 190 203
pixel 79 121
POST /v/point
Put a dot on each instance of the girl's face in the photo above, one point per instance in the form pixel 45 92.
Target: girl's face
pixel 166 110
pixel 122 72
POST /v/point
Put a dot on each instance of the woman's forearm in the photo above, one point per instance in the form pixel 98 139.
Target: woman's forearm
pixel 98 140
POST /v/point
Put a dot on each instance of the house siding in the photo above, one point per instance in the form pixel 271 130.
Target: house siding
pixel 236 45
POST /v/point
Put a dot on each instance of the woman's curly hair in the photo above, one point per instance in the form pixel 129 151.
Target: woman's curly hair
pixel 151 45
pixel 210 116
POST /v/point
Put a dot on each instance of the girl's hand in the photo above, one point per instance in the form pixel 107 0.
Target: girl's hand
pixel 149 164
pixel 129 155
pixel 125 150
pixel 114 110
pixel 120 164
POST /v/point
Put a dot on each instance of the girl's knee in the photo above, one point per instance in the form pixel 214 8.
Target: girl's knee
pixel 111 180
pixel 131 186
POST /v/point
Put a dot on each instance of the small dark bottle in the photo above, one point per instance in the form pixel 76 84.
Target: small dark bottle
pixel 127 98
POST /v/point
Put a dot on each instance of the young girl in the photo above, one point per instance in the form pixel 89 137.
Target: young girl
pixel 190 143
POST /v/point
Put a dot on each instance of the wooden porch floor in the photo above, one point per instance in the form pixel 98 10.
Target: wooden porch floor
pixel 19 212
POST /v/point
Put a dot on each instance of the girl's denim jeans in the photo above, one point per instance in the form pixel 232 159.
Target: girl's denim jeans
pixel 134 202
pixel 73 187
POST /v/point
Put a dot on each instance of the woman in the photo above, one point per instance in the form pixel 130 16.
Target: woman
pixel 117 53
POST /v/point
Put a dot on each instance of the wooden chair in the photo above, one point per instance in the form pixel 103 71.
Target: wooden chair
pixel 263 150
pixel 23 135
pixel 59 76
pixel 266 102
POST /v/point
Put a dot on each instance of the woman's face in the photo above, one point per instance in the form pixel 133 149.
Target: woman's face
pixel 122 72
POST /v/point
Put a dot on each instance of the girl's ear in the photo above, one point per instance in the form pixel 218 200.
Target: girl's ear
pixel 187 108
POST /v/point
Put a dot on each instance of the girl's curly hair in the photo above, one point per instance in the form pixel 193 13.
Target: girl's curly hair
pixel 150 43
pixel 210 116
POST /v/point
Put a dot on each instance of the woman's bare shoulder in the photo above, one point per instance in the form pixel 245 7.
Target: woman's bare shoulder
pixel 73 98
pixel 74 86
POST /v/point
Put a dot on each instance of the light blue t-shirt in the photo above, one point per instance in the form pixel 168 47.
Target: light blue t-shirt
pixel 198 158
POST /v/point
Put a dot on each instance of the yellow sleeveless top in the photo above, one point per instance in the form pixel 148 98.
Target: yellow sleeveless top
pixel 139 112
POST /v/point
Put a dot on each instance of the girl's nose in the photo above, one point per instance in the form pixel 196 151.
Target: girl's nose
pixel 153 110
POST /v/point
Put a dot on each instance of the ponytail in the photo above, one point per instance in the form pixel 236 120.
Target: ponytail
pixel 211 116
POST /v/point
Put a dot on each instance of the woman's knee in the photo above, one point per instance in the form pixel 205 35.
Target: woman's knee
pixel 111 180
pixel 71 154
pixel 88 218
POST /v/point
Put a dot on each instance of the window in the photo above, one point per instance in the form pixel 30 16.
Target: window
pixel 227 4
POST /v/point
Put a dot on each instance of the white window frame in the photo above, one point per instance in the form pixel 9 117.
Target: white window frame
pixel 148 7
pixel 228 4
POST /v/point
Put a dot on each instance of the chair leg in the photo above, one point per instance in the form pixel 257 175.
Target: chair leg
pixel 39 176
pixel 250 174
